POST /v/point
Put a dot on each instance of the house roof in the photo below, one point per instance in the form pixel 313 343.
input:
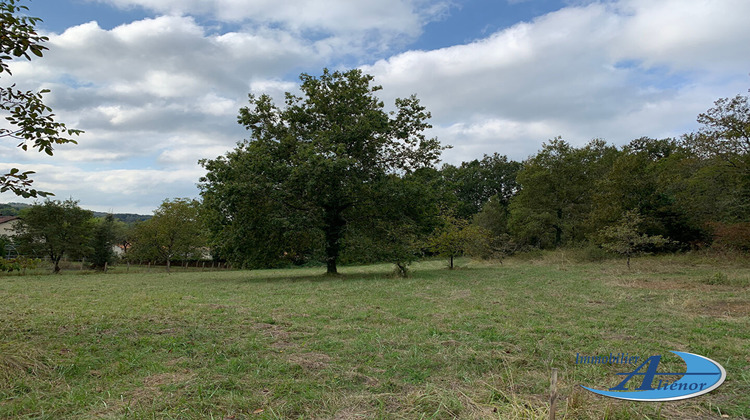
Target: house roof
pixel 6 219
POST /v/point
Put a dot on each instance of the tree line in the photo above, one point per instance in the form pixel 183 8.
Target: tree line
pixel 331 176
pixel 55 230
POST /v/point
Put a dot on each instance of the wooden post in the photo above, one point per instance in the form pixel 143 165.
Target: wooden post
pixel 106 264
pixel 553 395
pixel 128 270
pixel 204 266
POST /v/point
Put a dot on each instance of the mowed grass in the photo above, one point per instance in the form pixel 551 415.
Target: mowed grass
pixel 476 342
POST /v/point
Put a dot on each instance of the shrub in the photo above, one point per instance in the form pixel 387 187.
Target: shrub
pixel 18 264
pixel 721 279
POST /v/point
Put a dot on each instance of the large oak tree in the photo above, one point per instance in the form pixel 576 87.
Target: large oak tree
pixel 312 167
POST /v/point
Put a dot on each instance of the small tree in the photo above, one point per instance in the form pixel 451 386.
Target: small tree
pixel 54 229
pixel 625 238
pixel 175 230
pixel 457 237
pixel 103 239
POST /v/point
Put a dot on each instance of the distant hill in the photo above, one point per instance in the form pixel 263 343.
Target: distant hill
pixel 125 217
pixel 12 209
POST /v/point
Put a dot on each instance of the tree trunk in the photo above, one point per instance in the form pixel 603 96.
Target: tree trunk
pixel 451 266
pixel 558 228
pixel 331 266
pixel 169 260
pixel 56 270
pixel 334 230
pixel 401 269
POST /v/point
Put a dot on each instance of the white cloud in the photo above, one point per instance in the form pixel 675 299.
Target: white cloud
pixel 138 85
pixel 172 46
pixel 685 35
pixel 357 28
pixel 337 16
pixel 568 73
pixel 134 191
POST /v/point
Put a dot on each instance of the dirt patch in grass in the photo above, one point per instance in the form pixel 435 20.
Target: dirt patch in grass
pixel 724 308
pixel 284 343
pixel 460 294
pixel 144 395
pixel 169 378
pixel 657 284
pixel 151 389
pixel 281 338
pixel 310 361
pixel 353 413
pixel 167 331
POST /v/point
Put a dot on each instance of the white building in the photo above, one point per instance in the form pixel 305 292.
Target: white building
pixel 7 225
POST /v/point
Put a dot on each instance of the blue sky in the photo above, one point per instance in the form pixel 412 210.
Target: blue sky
pixel 463 21
pixel 156 84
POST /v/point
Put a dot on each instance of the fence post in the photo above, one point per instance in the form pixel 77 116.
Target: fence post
pixel 553 395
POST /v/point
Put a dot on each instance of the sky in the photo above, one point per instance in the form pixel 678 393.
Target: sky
pixel 157 84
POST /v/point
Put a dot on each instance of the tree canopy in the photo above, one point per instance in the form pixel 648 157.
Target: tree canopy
pixel 54 229
pixel 312 167
pixel 175 231
pixel 475 182
pixel 556 189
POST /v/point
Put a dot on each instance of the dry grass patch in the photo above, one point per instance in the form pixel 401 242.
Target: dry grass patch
pixel 310 360
pixel 18 360
pixel 724 308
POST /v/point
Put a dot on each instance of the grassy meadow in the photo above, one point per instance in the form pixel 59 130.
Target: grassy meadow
pixel 477 342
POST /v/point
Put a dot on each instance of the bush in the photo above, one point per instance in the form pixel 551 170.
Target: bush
pixel 530 254
pixel 18 264
pixel 721 279
pixel 592 253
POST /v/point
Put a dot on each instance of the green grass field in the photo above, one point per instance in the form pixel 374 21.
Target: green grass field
pixel 477 342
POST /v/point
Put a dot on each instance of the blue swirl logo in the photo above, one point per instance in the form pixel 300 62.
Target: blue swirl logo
pixel 701 376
